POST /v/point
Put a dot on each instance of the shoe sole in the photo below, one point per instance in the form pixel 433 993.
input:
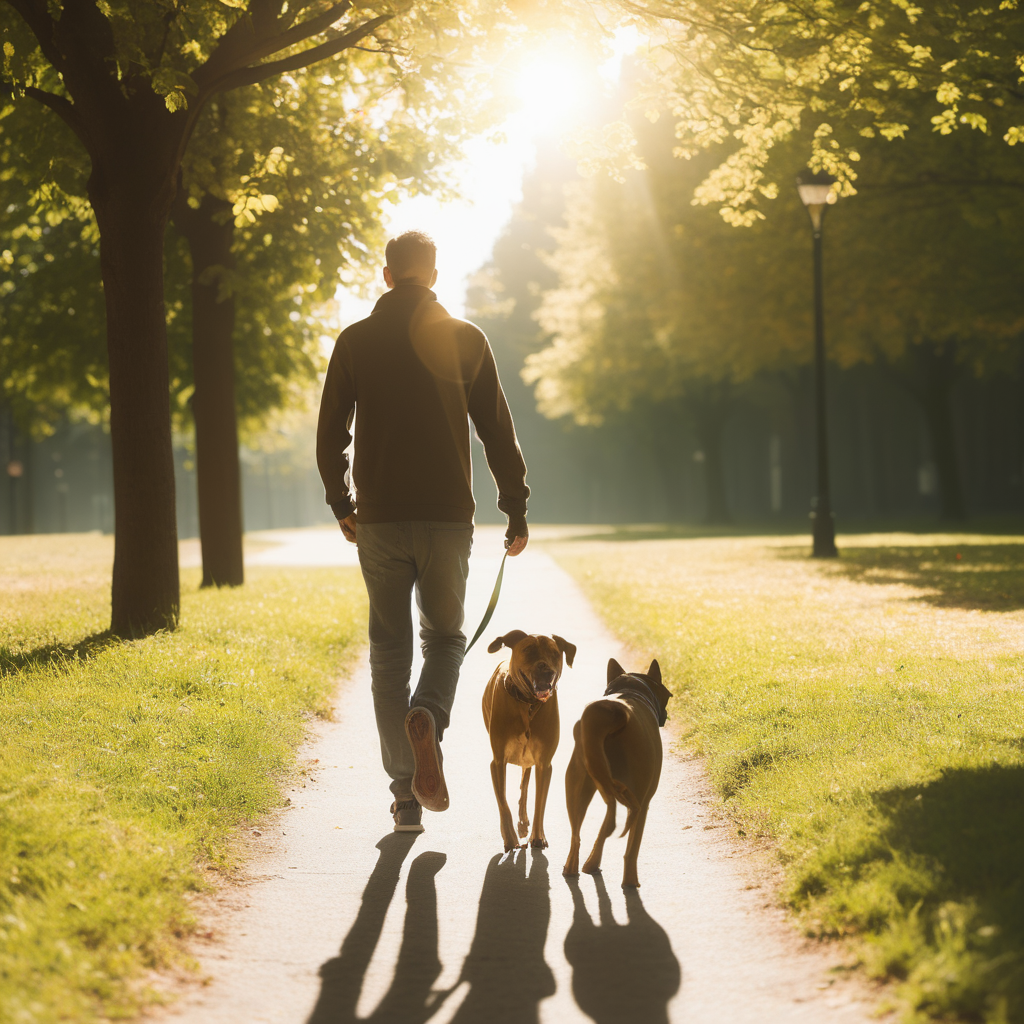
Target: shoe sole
pixel 428 785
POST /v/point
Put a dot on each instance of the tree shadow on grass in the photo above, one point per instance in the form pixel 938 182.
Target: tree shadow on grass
pixel 682 531
pixel 952 854
pixel 987 577
pixel 88 647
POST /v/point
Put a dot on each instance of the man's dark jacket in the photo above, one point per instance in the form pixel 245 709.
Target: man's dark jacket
pixel 414 376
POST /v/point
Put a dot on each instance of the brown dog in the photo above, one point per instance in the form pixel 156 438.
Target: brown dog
pixel 618 751
pixel 521 715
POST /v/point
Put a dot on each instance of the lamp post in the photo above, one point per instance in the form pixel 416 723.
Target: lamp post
pixel 816 193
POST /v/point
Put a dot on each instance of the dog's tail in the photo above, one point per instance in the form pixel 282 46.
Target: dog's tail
pixel 599 720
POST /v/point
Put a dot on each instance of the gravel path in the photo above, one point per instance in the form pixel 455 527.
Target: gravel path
pixel 341 920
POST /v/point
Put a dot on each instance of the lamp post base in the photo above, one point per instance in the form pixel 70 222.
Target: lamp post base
pixel 824 535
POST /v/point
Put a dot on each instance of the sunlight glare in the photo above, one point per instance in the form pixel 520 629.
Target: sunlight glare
pixel 552 92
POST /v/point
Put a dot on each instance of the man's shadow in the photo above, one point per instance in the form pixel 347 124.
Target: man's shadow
pixel 410 999
pixel 621 973
pixel 505 967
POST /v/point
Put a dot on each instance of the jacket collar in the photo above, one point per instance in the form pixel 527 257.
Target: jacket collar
pixel 403 296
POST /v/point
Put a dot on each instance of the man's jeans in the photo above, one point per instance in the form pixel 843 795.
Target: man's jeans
pixel 395 558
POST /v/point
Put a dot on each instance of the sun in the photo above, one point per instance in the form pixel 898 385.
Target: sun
pixel 554 93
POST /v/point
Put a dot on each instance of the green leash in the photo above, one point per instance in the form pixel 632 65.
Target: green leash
pixel 495 594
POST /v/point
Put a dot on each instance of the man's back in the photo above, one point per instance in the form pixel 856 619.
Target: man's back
pixel 414 376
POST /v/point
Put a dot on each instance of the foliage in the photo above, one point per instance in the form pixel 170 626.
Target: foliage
pixel 52 350
pixel 309 161
pixel 128 768
pixel 752 74
pixel 865 717
pixel 658 298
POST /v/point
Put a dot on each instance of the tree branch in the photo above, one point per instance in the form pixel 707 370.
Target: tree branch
pixel 265 37
pixel 260 72
pixel 301 32
pixel 62 107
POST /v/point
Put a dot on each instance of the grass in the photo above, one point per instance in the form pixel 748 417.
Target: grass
pixel 866 715
pixel 127 768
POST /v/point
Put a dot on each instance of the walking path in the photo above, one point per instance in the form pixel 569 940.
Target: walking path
pixel 342 920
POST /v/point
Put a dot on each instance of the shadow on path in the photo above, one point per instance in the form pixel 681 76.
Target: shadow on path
pixel 505 966
pixel 621 973
pixel 411 999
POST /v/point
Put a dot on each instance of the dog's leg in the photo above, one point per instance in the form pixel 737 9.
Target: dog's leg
pixel 629 875
pixel 593 862
pixel 508 828
pixel 538 840
pixel 579 791
pixel 524 818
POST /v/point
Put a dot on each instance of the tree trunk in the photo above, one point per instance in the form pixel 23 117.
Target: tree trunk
pixel 940 374
pixel 929 372
pixel 131 201
pixel 711 411
pixel 209 231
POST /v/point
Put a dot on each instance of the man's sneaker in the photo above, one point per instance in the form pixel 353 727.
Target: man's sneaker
pixel 407 815
pixel 428 785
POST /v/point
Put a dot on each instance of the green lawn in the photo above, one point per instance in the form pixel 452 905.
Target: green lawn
pixel 126 768
pixel 866 715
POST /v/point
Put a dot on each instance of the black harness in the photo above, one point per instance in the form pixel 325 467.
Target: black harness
pixel 636 686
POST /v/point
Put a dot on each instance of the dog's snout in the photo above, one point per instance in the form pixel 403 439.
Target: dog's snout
pixel 542 676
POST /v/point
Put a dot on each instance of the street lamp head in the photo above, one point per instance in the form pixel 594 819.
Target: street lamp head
pixel 816 193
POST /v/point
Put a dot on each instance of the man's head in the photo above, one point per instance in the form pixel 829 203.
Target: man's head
pixel 410 260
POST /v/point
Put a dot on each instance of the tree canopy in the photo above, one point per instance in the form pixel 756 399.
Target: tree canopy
pixel 751 74
pixel 657 294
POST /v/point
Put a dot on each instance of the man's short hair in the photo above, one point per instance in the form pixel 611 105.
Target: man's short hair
pixel 411 254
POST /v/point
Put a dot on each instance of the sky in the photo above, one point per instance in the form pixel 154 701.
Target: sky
pixel 554 98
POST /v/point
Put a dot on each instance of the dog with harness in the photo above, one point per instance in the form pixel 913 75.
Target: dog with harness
pixel 617 753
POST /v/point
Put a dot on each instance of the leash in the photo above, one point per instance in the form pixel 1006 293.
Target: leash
pixel 493 603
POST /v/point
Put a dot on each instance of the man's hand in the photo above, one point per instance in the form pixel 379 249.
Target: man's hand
pixel 348 527
pixel 517 536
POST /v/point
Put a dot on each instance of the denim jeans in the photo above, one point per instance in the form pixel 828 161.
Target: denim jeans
pixel 397 559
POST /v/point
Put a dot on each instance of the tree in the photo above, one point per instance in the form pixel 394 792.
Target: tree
pixel 131 80
pixel 660 300
pixel 281 199
pixel 752 74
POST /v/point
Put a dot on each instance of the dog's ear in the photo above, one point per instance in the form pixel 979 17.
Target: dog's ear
pixel 508 640
pixel 568 649
pixel 614 670
pixel 660 690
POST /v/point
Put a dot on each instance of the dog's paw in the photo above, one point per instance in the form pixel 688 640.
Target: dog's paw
pixel 539 844
pixel 591 869
pixel 510 847
pixel 570 872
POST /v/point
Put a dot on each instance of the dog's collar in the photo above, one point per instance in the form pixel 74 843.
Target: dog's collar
pixel 645 696
pixel 533 705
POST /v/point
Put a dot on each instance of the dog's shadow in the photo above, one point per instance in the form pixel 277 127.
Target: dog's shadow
pixel 505 967
pixel 621 973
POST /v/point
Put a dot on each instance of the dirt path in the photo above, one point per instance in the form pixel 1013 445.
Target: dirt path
pixel 342 920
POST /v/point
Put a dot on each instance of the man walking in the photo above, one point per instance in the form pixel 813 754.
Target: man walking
pixel 412 377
